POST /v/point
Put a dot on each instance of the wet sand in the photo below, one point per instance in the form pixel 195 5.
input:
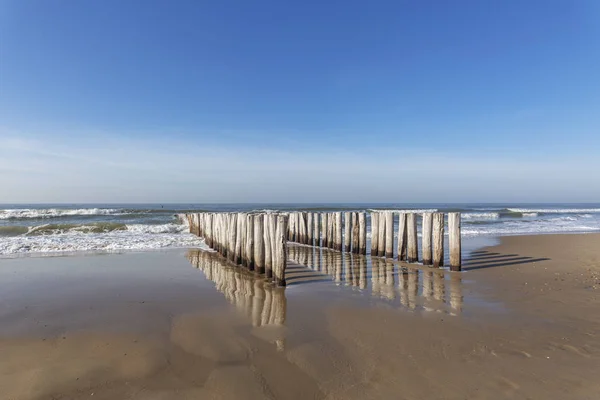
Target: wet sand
pixel 520 322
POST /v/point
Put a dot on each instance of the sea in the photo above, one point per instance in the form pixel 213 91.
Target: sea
pixel 62 229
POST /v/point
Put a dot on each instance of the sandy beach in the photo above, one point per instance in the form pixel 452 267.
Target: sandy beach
pixel 520 322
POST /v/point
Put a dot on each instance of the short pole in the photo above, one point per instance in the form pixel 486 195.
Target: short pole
pixel 454 241
pixel 389 234
pixel 381 239
pixel 438 239
pixel 355 233
pixel 374 232
pixel 426 229
pixel 402 237
pixel 281 246
pixel 347 232
pixel 413 244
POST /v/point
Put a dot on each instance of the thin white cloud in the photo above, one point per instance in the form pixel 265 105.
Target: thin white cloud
pixel 110 169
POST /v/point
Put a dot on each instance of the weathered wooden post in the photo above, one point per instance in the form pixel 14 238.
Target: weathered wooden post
pixel 317 227
pixel 402 237
pixel 299 236
pixel 426 228
pixel 309 229
pixel 347 232
pixel 362 233
pixel 330 230
pixel 242 220
pixel 292 226
pixel 438 239
pixel 374 232
pixel 413 244
pixel 209 231
pixel 281 250
pixel 216 230
pixel 381 239
pixel 303 228
pixel 355 233
pixel 324 228
pixel 338 231
pixel 454 241
pixel 273 243
pixel 238 239
pixel 267 241
pixel 389 234
pixel 233 238
pixel 259 244
pixel 250 241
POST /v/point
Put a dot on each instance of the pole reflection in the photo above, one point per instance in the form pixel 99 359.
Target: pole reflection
pixel 425 289
pixel 262 302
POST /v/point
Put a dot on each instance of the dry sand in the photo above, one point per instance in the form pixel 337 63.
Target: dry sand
pixel 521 323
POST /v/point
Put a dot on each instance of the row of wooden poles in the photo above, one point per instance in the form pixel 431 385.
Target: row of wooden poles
pixel 256 241
pixel 348 231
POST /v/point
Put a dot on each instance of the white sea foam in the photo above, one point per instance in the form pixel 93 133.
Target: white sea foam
pixel 56 212
pixel 115 241
pixel 480 215
pixel 530 214
pixel 408 211
pixel 555 210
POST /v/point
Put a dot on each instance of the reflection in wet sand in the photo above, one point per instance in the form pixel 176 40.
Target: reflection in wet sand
pixel 414 288
pixel 262 302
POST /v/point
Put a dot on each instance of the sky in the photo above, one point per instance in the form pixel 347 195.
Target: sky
pixel 299 101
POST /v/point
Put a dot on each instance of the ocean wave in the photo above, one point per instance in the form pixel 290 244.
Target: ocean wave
pixel 30 213
pixel 481 215
pixel 114 241
pixel 408 211
pixel 555 210
pixel 96 227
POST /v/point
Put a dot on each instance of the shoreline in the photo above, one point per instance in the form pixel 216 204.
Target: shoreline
pixel 470 244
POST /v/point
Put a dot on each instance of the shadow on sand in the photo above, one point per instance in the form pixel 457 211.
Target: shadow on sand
pixel 487 259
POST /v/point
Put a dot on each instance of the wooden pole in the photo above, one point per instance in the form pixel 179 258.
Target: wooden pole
pixel 402 237
pixel 242 224
pixel 347 232
pixel 426 228
pixel 238 239
pixel 317 226
pixel 338 231
pixel 216 230
pixel 355 233
pixel 381 239
pixel 290 236
pixel 438 239
pixel 209 231
pixel 303 225
pixel 298 227
pixel 454 241
pixel 267 241
pixel 250 241
pixel 413 244
pixel 324 229
pixel 233 237
pixel 374 232
pixel 281 250
pixel 362 233
pixel 329 230
pixel 309 229
pixel 259 244
pixel 273 243
pixel 389 234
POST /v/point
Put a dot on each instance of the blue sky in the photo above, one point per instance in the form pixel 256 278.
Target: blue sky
pixel 403 101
